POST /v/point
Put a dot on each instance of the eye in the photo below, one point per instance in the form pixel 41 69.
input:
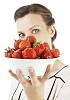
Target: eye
pixel 34 31
pixel 21 35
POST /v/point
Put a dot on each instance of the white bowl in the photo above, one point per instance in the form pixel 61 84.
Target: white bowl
pixel 39 65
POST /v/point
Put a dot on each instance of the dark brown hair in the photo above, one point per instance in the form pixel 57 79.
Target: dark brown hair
pixel 37 9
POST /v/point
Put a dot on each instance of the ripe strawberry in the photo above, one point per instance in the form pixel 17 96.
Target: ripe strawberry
pixel 46 54
pixel 24 44
pixel 29 53
pixel 39 49
pixel 9 52
pixel 17 54
pixel 16 44
pixel 32 39
pixel 55 52
pixel 46 45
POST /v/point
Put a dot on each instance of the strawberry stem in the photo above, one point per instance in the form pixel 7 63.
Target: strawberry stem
pixel 36 44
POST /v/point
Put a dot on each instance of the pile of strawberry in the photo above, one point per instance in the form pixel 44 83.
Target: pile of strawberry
pixel 30 49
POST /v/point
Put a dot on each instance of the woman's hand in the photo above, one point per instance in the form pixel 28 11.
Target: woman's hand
pixel 34 88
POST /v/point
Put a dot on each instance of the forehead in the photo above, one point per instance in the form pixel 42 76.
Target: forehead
pixel 29 21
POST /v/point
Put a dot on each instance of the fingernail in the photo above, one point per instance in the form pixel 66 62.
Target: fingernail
pixel 50 66
pixel 31 69
pixel 18 71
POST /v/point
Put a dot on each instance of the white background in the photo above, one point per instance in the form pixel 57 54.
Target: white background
pixel 61 13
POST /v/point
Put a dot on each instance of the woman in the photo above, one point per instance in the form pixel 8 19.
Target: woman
pixel 37 20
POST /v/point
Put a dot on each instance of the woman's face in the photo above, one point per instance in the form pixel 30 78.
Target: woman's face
pixel 33 24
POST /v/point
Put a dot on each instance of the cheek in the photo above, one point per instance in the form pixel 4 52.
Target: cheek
pixel 42 37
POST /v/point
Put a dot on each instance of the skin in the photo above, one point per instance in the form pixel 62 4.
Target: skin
pixel 33 24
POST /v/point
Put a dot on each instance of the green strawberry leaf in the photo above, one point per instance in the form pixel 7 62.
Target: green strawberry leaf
pixel 36 43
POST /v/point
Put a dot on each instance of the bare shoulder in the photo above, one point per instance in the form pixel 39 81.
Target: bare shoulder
pixel 61 70
pixel 58 65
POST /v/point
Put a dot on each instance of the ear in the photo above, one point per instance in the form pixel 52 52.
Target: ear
pixel 52 31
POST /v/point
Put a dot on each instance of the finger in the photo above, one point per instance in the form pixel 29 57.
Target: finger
pixel 12 74
pixel 47 73
pixel 33 76
pixel 21 78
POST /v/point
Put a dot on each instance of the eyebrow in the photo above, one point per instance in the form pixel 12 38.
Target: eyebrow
pixel 29 29
pixel 33 27
pixel 20 32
